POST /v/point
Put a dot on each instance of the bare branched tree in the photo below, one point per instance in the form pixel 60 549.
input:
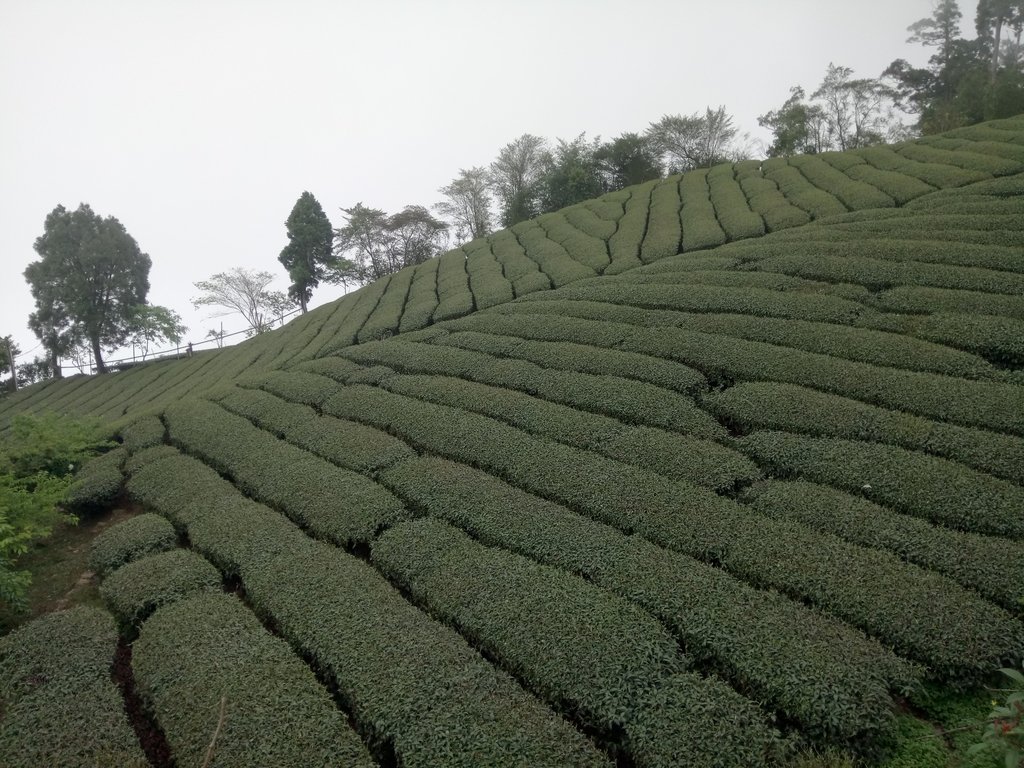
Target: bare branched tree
pixel 245 292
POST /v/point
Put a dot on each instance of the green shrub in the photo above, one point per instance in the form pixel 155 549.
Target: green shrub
pixel 766 405
pixel 626 399
pixel 765 199
pixel 901 187
pixel 454 297
pixel 664 230
pixel 821 673
pixel 931 173
pixel 552 258
pixel 934 489
pixel 584 650
pixel 510 254
pixel 610 207
pixel 138 460
pixel 586 249
pixel 801 192
pixel 624 245
pixel 142 433
pixel 301 386
pixel 335 368
pixel 334 504
pixel 999 148
pixel 730 206
pixel 343 443
pixel 135 590
pixel 364 302
pixel 486 279
pixel 596 219
pixel 971 161
pixel 998 339
pixel 422 299
pixel 985 404
pixel 60 706
pixel 931 619
pixel 265 705
pixel 700 227
pixel 995 567
pixel 97 484
pixel 386 316
pixel 411 683
pixel 134 538
pixel 928 300
pixel 855 195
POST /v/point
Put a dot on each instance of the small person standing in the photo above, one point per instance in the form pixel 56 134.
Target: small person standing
pixel 188 349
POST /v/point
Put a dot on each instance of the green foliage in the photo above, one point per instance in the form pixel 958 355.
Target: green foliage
pixel 487 280
pixel 333 503
pixel 88 283
pixel 855 195
pixel 136 589
pixel 1004 732
pixel 730 206
pixel 664 231
pixel 51 443
pixel 993 566
pixel 624 245
pixel 823 674
pixel 800 192
pixel 551 257
pixel 97 485
pixel 142 433
pixel 414 685
pixel 264 704
pixel 584 650
pixel 700 227
pixel 586 249
pixel 60 705
pixel 422 299
pixel 308 256
pixel 128 541
pixel 387 315
pixel 453 293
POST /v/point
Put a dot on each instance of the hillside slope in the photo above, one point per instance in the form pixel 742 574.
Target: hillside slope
pixel 735 461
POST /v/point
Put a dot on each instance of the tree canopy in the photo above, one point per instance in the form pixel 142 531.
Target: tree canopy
pixel 373 244
pixel 308 257
pixel 246 292
pixel 467 204
pixel 90 278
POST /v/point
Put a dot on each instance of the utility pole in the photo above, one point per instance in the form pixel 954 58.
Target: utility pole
pixel 10 359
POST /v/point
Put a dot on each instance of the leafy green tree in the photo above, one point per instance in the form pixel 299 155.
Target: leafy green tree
pixel 155 325
pixel 87 283
pixel 798 127
pixel 373 244
pixel 516 177
pixel 467 204
pixel 571 174
pixel 245 292
pixel 858 111
pixel 695 141
pixel 37 370
pixel 627 160
pixel 308 256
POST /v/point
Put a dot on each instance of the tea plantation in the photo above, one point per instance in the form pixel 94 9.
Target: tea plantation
pixel 706 472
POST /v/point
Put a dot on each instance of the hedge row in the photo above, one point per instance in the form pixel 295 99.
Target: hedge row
pixel 801 192
pixel 338 505
pixel 552 258
pixel 938 490
pixel 313 324
pixel 586 249
pixel 130 540
pixel 664 229
pixel 700 227
pixel 997 339
pixel 927 300
pixel 205 665
pixel 486 279
pixel 97 484
pixel 864 345
pixel 142 433
pixel 454 296
pixel 994 567
pixel 878 274
pixel 365 301
pixel 677 456
pixel 59 705
pixel 855 195
pixel 990 165
pixel 819 672
pixel 588 219
pixel 422 299
pixel 933 174
pixel 709 298
pixel 765 199
pixel 137 589
pixel 626 399
pixel 624 245
pixel 766 405
pixel 581 358
pixel 609 207
pixel 730 206
pixel 576 646
pixel 302 386
pixel 511 255
pixel 343 308
pixel 901 187
pixel 688 262
pixel 414 687
pixel 345 443
pixel 932 619
pixel 387 315
pixel 970 403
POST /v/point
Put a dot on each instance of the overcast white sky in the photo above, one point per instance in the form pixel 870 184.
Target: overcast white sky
pixel 198 123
